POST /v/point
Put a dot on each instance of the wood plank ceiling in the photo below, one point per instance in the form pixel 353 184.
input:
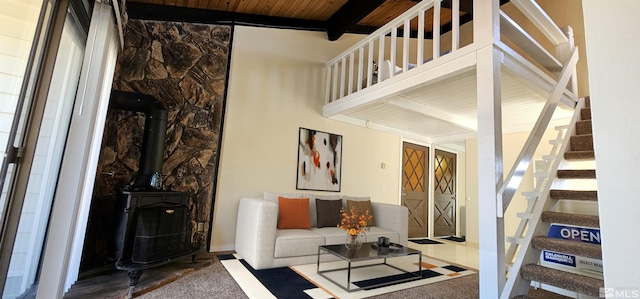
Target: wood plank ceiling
pixel 336 17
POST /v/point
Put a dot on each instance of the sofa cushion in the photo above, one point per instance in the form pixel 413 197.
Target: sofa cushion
pixel 333 235
pixel 312 205
pixel 293 213
pixel 336 235
pixel 328 212
pixel 297 242
pixel 361 207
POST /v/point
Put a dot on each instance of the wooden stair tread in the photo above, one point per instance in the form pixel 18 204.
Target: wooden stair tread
pixel 579 155
pixel 571 219
pixel 565 280
pixel 576 174
pixel 574 194
pixel 583 249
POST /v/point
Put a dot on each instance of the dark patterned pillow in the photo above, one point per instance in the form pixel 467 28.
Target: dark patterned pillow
pixel 328 212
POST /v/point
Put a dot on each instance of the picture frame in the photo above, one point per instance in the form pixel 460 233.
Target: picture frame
pixel 319 166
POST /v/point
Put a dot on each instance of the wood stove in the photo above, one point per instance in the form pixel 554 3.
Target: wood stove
pixel 154 226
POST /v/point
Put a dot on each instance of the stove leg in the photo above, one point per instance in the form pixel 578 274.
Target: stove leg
pixel 193 258
pixel 134 276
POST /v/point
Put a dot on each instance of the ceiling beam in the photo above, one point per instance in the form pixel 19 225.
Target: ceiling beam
pixel 465 5
pixel 359 29
pixel 146 11
pixel 349 14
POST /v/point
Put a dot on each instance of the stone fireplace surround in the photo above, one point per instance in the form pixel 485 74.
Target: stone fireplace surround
pixel 184 66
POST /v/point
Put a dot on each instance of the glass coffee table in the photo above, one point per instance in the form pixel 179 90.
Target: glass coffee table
pixel 368 252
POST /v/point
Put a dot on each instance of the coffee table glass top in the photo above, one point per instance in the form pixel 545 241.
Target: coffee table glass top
pixel 369 251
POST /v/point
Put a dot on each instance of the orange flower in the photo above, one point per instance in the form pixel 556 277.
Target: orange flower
pixel 354 223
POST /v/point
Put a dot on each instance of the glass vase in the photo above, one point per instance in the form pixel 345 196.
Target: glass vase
pixel 353 242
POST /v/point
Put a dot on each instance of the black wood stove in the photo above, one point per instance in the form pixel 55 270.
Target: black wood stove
pixel 154 226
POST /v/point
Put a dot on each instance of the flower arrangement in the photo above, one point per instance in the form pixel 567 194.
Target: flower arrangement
pixel 354 223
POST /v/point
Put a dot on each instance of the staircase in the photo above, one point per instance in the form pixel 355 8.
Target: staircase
pixel 580 148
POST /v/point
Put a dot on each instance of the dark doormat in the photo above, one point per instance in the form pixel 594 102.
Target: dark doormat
pixel 455 239
pixel 425 241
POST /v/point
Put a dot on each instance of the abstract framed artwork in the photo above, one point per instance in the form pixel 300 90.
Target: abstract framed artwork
pixel 319 161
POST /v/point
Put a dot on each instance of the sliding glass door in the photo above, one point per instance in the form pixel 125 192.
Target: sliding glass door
pixel 38 136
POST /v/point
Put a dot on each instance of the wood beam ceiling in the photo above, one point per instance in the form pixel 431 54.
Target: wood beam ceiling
pixel 348 15
pixel 146 11
pixel 344 20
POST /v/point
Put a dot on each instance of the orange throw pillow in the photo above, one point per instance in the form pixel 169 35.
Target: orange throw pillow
pixel 293 213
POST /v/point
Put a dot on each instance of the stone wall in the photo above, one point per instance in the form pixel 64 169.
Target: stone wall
pixel 185 67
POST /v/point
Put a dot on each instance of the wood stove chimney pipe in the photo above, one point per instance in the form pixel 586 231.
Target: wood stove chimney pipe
pixel 155 127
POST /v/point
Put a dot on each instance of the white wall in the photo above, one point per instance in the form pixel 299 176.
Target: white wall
pixel 276 85
pixel 612 47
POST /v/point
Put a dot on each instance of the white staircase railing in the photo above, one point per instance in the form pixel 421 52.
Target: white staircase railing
pixel 543 181
pixel 530 224
pixel 511 183
pixel 538 202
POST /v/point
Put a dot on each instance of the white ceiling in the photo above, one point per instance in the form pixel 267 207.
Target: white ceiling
pixel 446 109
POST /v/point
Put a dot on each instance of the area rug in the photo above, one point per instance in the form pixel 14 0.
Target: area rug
pixel 425 241
pixel 303 282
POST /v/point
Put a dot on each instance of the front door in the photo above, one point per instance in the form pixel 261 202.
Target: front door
pixel 444 212
pixel 415 169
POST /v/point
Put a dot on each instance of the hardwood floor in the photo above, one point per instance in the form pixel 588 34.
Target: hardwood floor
pixel 115 284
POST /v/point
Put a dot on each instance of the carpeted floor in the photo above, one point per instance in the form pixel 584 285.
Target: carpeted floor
pixel 211 282
pixel 215 282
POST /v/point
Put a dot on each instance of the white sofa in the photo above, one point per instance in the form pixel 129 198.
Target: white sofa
pixel 261 244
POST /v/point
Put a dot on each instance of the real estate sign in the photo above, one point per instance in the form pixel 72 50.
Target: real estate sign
pixel 568 262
